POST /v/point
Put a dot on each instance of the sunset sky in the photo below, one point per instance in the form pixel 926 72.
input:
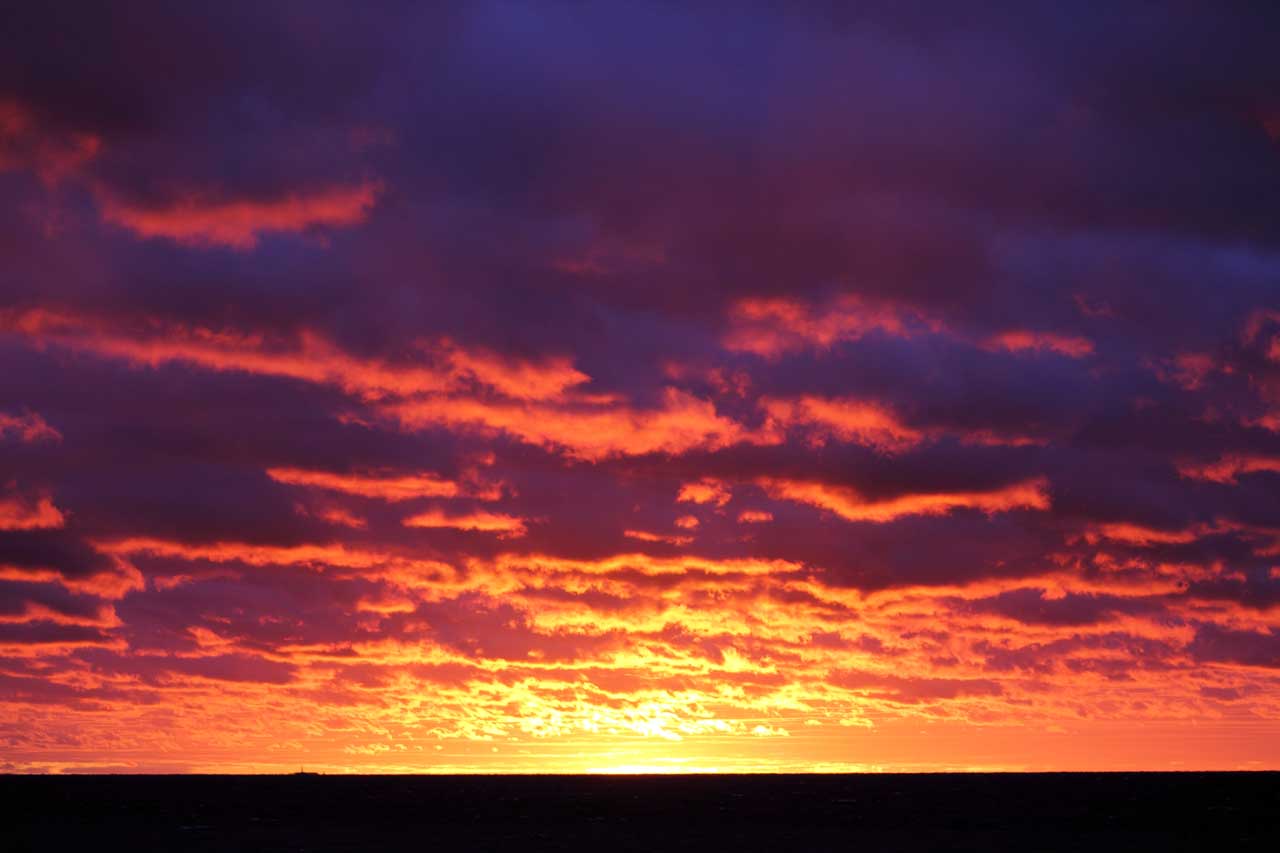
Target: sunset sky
pixel 563 386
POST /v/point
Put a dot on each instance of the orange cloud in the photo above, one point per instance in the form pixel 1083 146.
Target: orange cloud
pixel 316 556
pixel 388 488
pixel 542 410
pixel 705 491
pixel 646 536
pixel 521 380
pixel 773 327
pixel 870 424
pixel 342 518
pixel 113 584
pixel 754 516
pixel 860 422
pixel 205 220
pixel 1229 467
pixel 1136 534
pixel 635 660
pixel 645 565
pixel 103 616
pixel 1021 340
pixel 848 504
pixel 28 427
pixel 308 357
pixel 487 522
pixel 587 430
pixel 24 513
pixel 688 522
pixel 386 605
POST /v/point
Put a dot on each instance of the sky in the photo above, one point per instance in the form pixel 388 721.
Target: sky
pixel 557 387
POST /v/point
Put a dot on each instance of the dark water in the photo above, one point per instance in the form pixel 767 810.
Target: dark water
pixel 1088 812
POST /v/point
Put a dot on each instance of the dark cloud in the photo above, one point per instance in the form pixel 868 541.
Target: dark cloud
pixel 1215 644
pixel 1034 607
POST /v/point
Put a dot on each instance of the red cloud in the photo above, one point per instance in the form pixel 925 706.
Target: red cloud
pixel 18 512
pixel 207 220
pixel 388 488
pixel 1227 468
pixel 871 424
pixel 862 422
pixel 114 583
pixel 308 357
pixel 588 429
pixel 26 144
pixel 1021 340
pixel 541 408
pixel 28 427
pixel 335 515
pixel 774 327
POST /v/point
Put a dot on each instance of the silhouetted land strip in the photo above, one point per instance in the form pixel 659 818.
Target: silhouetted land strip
pixel 1025 812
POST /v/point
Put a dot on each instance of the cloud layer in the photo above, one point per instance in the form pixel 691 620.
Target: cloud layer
pixel 562 387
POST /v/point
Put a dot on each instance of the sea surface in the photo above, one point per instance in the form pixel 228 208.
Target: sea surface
pixel 912 812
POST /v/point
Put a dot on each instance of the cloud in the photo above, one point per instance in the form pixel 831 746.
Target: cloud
pixel 851 506
pixel 206 220
pixel 1136 534
pixel 1033 606
pixel 867 423
pixel 50 153
pixel 1020 340
pixel 916 690
pixel 754 516
pixel 39 602
pixel 1216 644
pixel 645 564
pixel 646 536
pixel 28 427
pixel 486 522
pixel 49 554
pixel 317 556
pixel 705 491
pixel 339 516
pixel 29 512
pixel 391 488
pixel 589 429
pixel 307 356
pixel 1228 468
pixel 774 327
pixel 368 368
